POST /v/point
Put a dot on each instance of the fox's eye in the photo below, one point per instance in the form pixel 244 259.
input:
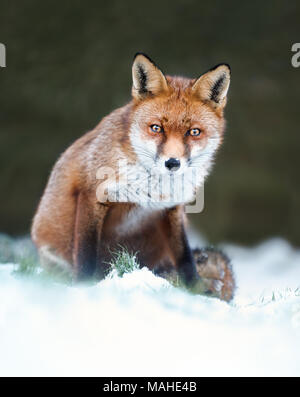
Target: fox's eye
pixel 194 132
pixel 156 128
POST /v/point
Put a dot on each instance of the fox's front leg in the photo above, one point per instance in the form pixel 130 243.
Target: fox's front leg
pixel 180 247
pixel 87 232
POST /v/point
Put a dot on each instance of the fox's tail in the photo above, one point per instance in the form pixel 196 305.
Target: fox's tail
pixel 216 272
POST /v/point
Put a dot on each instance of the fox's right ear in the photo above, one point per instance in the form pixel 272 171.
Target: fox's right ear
pixel 212 87
pixel 147 77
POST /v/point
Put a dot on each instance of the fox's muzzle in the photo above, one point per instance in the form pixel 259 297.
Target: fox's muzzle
pixel 172 164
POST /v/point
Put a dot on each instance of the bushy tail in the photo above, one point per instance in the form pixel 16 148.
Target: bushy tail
pixel 216 272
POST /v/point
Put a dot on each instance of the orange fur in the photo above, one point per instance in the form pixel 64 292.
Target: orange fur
pixel 70 221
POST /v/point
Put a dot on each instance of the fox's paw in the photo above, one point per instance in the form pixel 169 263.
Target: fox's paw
pixel 216 273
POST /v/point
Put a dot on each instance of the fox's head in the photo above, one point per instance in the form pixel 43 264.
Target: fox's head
pixel 177 123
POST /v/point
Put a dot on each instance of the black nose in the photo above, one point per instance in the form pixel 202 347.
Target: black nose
pixel 172 164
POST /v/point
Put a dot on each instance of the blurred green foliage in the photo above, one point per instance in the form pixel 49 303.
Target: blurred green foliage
pixel 69 64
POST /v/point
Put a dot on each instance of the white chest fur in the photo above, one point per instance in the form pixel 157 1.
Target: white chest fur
pixel 135 218
pixel 154 190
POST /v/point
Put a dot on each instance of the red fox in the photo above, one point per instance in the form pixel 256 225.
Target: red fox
pixel 171 126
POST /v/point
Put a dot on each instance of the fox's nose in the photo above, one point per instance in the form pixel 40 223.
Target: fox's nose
pixel 172 164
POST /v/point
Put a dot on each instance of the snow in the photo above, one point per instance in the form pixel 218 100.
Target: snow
pixel 140 325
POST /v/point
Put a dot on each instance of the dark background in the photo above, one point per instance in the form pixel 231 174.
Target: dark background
pixel 69 64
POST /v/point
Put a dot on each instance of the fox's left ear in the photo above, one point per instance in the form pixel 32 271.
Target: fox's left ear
pixel 147 77
pixel 212 87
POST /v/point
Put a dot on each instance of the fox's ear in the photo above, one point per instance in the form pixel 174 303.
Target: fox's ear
pixel 212 86
pixel 147 78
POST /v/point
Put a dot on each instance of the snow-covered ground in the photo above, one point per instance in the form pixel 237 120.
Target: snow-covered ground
pixel 139 325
